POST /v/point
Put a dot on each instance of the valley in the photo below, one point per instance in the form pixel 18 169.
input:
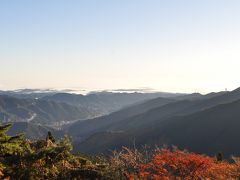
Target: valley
pixel 100 123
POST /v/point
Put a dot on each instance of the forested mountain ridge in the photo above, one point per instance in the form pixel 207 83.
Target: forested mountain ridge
pixel 149 113
pixel 203 126
pixel 84 128
pixel 103 103
pixel 39 111
pixel 143 122
pixel 33 108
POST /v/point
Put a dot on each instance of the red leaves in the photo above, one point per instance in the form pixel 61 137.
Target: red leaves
pixel 178 164
pixel 164 164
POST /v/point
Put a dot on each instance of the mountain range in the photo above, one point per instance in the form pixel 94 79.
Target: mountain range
pixel 207 124
pixel 103 103
pixel 55 109
pixel 103 121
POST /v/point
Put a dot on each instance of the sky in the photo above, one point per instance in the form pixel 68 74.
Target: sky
pixel 166 45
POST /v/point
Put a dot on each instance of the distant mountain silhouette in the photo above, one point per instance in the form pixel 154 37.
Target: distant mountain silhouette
pixel 147 113
pixel 206 125
pixel 103 103
pixel 29 93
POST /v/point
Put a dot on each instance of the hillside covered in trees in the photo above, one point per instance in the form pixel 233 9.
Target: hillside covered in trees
pixel 50 159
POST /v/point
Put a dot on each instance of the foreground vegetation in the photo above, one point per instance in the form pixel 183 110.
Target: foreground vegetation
pixel 50 159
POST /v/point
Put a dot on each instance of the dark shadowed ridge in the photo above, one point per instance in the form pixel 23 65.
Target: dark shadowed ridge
pixel 209 131
pixel 82 129
pixel 197 119
pixel 139 115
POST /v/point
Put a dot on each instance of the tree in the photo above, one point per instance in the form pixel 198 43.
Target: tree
pixel 10 144
pixel 12 151
pixel 50 137
pixel 42 159
pixel 219 157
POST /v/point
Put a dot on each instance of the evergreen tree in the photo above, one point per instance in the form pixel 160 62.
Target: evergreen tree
pixel 10 144
pixel 50 137
pixel 219 157
pixel 42 159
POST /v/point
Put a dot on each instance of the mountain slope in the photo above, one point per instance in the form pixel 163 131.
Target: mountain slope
pixel 148 114
pixel 103 103
pixel 82 129
pixel 39 111
pixel 209 131
pixel 205 126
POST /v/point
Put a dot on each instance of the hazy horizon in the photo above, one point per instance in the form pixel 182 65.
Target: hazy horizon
pixel 87 91
pixel 170 46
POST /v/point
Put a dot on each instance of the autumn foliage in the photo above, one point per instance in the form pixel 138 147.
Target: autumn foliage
pixel 164 164
pixel 167 164
pixel 53 159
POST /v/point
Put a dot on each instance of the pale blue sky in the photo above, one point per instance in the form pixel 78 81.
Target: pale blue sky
pixel 169 45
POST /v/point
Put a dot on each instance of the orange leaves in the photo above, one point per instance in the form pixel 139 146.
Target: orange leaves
pixel 178 164
pixel 164 164
pixel 222 170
